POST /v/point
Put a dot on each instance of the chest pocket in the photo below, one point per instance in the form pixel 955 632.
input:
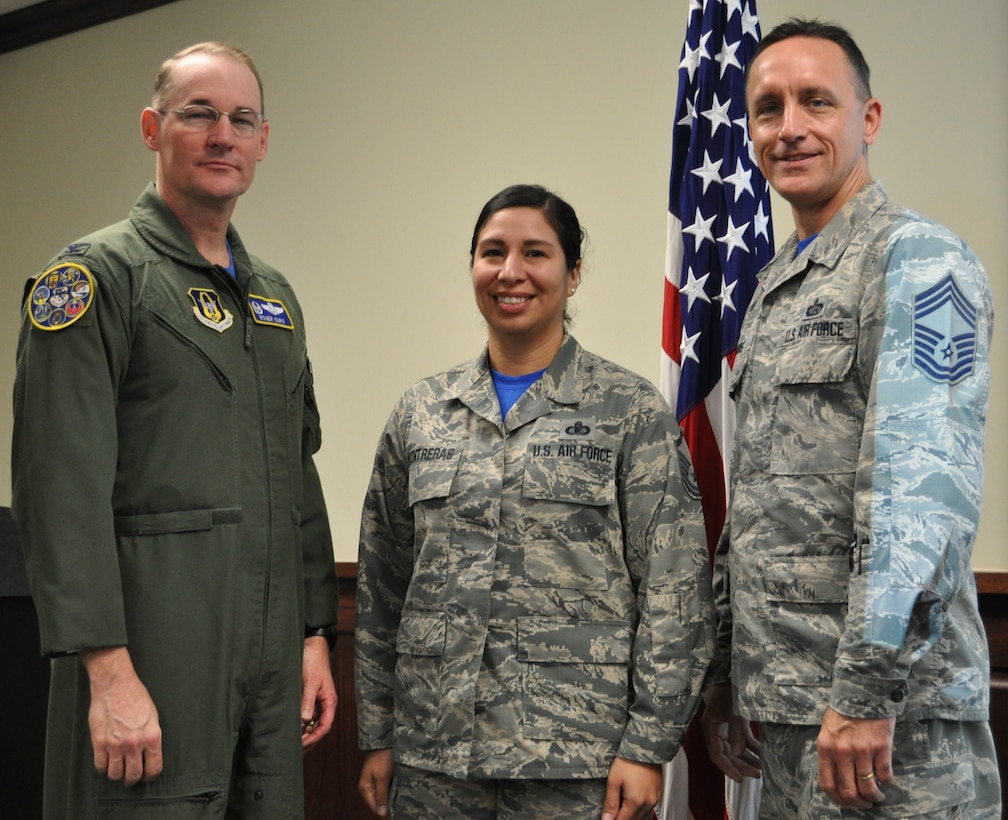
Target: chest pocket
pixel 564 469
pixel 431 475
pixel 819 408
pixel 571 524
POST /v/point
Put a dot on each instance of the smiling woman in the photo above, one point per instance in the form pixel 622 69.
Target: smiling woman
pixel 536 497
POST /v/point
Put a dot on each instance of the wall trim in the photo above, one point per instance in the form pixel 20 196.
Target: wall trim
pixel 54 18
pixel 992 583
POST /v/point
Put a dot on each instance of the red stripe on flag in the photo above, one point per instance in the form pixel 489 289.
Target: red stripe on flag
pixel 672 324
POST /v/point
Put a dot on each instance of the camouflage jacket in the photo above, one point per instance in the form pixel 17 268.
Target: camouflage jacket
pixel 861 388
pixel 533 594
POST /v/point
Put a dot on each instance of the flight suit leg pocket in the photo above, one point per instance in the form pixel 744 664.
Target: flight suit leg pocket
pixel 164 798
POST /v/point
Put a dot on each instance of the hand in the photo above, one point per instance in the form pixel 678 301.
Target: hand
pixel 731 745
pixel 851 749
pixel 632 790
pixel 376 780
pixel 318 692
pixel 125 730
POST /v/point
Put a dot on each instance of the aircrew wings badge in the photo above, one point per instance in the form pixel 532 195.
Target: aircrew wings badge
pixel 208 310
pixel 266 311
pixel 60 296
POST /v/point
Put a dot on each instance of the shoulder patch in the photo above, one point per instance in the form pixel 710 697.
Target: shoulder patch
pixel 60 296
pixel 944 332
pixel 687 474
pixel 266 311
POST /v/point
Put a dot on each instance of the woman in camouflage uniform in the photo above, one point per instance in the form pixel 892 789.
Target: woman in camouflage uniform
pixel 534 606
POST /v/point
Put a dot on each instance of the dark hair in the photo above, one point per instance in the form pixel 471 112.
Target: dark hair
pixel 558 214
pixel 164 83
pixel 802 27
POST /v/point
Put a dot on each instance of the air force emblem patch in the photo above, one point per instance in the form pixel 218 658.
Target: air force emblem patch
pixel 944 332
pixel 60 296
pixel 267 311
pixel 208 310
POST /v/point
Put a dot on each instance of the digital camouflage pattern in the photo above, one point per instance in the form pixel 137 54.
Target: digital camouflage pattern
pixel 533 593
pixel 942 770
pixel 861 387
pixel 418 794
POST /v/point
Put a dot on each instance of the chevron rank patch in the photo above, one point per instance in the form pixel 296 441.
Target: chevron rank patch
pixel 60 296
pixel 944 332
pixel 267 311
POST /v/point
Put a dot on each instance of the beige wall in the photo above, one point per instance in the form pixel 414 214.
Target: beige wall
pixel 392 123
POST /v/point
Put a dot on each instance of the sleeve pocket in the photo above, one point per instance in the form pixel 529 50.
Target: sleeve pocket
pixel 422 635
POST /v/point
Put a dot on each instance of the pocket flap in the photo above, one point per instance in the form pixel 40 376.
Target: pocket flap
pixel 554 640
pixel 823 579
pixel 818 360
pixel 176 521
pixel 432 471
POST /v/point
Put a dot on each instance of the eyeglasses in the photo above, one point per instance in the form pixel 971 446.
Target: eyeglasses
pixel 244 122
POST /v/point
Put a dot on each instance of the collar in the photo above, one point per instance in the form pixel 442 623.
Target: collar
pixel 161 229
pixel 832 241
pixel 562 383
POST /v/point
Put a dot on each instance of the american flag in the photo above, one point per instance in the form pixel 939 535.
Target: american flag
pixel 719 236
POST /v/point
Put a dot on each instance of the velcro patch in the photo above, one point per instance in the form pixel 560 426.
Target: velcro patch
pixel 266 311
pixel 209 311
pixel 60 296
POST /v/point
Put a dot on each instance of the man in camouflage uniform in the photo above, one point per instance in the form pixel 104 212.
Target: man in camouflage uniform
pixel 847 607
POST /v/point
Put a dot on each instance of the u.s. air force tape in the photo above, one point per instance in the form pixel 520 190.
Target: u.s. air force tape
pixel 60 296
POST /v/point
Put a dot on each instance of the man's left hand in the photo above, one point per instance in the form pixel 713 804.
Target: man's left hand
pixel 318 692
pixel 855 757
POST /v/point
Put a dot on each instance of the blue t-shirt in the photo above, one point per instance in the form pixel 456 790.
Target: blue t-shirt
pixel 510 388
pixel 804 243
pixel 230 268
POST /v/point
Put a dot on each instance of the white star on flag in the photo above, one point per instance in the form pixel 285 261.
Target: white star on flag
pixel 709 171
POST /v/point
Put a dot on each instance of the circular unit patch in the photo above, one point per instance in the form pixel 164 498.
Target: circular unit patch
pixel 61 296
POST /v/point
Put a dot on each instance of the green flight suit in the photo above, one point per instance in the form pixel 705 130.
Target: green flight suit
pixel 166 500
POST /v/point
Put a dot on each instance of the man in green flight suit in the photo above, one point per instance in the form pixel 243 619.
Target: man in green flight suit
pixel 171 516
